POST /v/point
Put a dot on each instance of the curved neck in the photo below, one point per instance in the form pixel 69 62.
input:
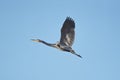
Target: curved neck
pixel 48 44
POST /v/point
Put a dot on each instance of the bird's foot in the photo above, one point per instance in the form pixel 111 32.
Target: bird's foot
pixel 73 52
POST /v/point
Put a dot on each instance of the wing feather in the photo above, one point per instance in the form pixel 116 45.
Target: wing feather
pixel 67 32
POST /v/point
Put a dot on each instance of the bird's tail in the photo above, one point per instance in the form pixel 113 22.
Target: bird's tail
pixel 73 52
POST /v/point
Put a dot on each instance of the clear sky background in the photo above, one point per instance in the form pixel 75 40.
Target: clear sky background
pixel 97 40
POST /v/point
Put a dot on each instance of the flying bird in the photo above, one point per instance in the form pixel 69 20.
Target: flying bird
pixel 67 37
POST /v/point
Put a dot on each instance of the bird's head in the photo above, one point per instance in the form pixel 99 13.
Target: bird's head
pixel 36 40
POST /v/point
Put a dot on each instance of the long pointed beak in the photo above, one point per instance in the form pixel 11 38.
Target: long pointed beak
pixel 36 40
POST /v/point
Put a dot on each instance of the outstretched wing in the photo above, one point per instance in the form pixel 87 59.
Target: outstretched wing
pixel 67 32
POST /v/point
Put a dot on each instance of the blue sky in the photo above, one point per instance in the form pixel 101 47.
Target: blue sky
pixel 97 40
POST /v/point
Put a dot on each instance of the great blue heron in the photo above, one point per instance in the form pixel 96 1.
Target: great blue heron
pixel 67 37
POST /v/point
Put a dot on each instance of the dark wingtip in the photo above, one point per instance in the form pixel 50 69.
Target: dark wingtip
pixel 69 18
pixel 70 21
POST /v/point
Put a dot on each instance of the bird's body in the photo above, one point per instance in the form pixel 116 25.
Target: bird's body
pixel 67 37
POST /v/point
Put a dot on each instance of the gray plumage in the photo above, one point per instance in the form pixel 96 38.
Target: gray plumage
pixel 67 37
